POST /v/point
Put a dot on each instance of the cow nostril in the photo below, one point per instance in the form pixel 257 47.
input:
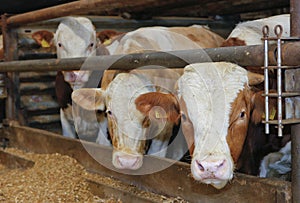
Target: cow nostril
pixel 200 166
pixel 221 164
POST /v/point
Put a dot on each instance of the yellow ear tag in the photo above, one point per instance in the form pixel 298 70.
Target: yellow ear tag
pixel 157 114
pixel 107 42
pixel 272 114
pixel 45 44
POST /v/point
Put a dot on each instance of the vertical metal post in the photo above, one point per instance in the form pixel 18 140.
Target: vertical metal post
pixel 278 32
pixel 10 53
pixel 295 133
pixel 265 31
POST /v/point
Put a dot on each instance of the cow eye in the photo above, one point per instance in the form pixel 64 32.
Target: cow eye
pixel 183 116
pixel 243 114
pixel 59 44
pixel 92 44
pixel 109 112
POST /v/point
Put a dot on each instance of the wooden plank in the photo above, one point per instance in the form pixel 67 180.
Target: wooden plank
pixel 12 161
pixel 174 180
pixel 107 191
pixel 215 7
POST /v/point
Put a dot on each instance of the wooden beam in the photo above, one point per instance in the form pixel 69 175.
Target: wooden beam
pixel 212 8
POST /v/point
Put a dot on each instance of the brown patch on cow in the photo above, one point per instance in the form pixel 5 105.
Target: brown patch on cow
pixel 200 35
pixel 238 123
pixel 108 76
pixel 233 41
pixel 41 35
pixel 145 102
pixel 108 35
pixel 258 106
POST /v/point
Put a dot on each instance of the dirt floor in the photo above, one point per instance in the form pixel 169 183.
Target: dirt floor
pixel 59 178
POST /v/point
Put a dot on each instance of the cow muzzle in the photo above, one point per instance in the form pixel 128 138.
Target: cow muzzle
pixel 216 171
pixel 122 160
pixel 77 79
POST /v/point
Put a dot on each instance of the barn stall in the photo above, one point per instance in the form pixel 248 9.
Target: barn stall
pixel 243 188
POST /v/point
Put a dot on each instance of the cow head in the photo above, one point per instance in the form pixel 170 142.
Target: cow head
pixel 131 118
pixel 74 37
pixel 215 102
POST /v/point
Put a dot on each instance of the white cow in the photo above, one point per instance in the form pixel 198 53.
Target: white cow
pixel 250 32
pixel 74 37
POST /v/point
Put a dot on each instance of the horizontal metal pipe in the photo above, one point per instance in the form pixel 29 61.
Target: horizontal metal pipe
pixel 242 55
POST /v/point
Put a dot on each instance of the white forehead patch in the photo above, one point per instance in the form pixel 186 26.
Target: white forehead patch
pixel 121 95
pixel 208 90
pixel 75 33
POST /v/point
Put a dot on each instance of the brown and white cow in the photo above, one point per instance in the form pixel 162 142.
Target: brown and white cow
pixel 131 119
pixel 215 100
pixel 215 103
pixel 257 143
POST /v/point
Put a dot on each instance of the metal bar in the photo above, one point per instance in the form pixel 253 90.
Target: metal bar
pixel 278 32
pixel 284 67
pixel 284 121
pixel 295 129
pixel 266 75
pixel 71 8
pixel 81 7
pixel 242 55
pixel 283 94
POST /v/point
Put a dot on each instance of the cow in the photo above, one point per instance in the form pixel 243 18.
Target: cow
pixel 250 32
pixel 131 121
pixel 141 40
pixel 258 144
pixel 74 37
pixel 215 103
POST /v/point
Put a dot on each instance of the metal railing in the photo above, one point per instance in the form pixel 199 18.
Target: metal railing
pixel 280 94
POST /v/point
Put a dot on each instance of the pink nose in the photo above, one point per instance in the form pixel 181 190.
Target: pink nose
pixel 211 169
pixel 72 76
pixel 125 161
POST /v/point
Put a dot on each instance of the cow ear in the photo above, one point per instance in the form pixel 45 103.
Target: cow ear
pixel 168 102
pixel 258 107
pixel 89 98
pixel 255 78
pixel 44 38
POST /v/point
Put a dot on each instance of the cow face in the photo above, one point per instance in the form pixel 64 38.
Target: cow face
pixel 127 125
pixel 215 104
pixel 74 37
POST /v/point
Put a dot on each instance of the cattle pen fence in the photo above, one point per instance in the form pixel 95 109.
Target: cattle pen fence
pixel 279 191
